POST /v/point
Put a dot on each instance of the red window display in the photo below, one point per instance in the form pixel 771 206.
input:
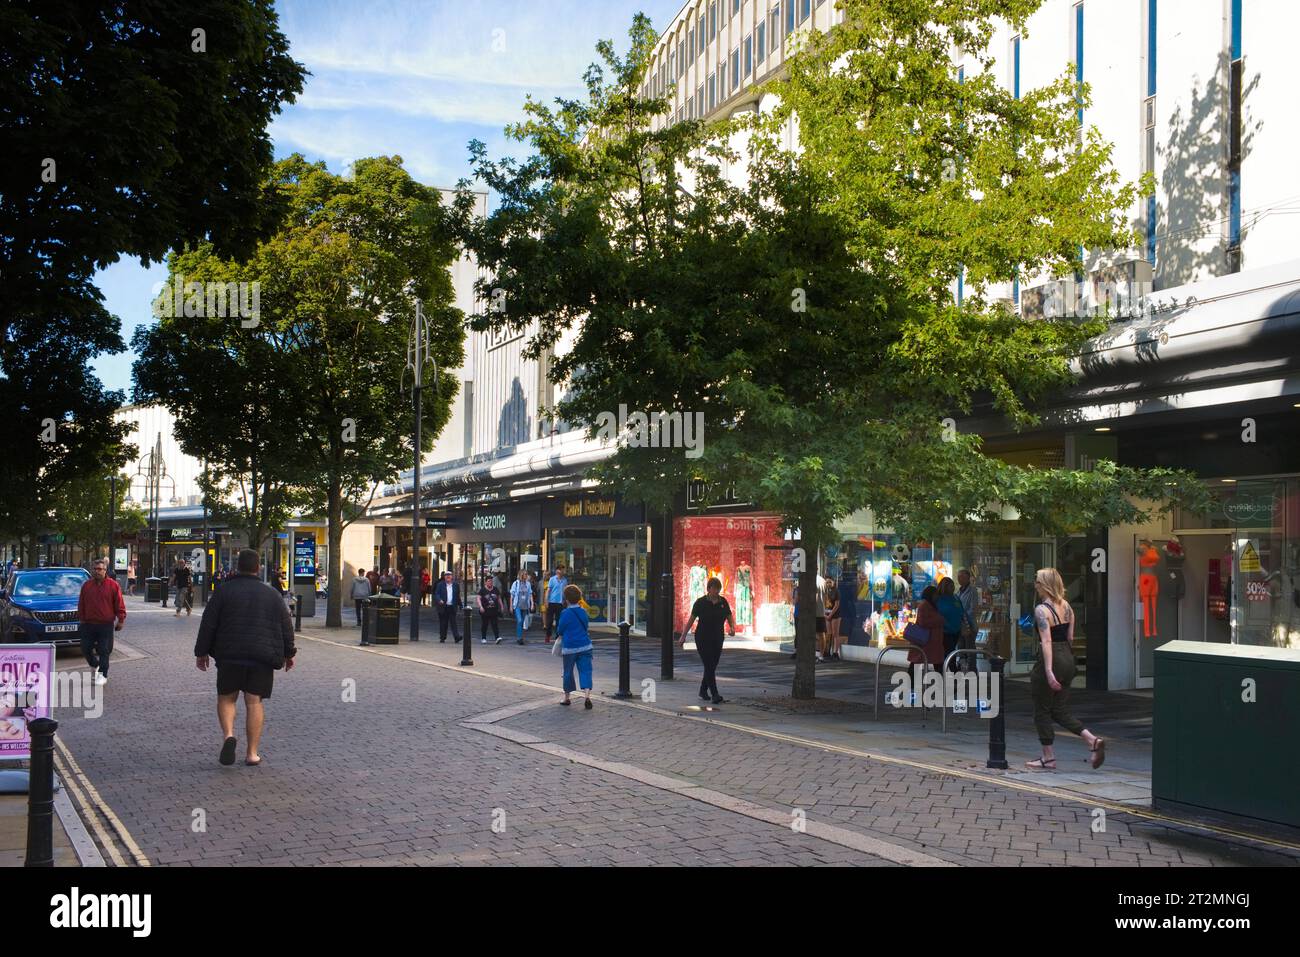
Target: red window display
pixel 750 556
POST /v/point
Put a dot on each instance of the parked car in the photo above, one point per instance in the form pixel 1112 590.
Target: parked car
pixel 40 605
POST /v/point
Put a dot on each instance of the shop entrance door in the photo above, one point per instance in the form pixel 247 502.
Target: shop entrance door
pixel 1027 556
pixel 622 584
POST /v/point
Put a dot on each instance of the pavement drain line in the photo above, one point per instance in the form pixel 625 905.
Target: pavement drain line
pixel 987 779
pixel 82 843
pixel 853 840
pixel 90 801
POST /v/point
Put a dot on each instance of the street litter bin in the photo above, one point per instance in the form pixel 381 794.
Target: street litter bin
pixel 383 614
pixel 153 589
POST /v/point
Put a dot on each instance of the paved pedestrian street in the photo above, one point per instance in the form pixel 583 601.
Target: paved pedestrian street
pixel 396 755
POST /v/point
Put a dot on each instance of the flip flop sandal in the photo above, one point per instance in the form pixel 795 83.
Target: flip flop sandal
pixel 1098 755
pixel 1041 765
pixel 228 752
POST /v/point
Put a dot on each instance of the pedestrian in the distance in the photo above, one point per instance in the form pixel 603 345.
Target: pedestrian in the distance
pixel 521 600
pixel 489 607
pixel 360 590
pixel 373 577
pixel 574 644
pixel 950 607
pixel 555 599
pixel 246 627
pixel 184 578
pixel 446 598
pixel 712 611
pixel 426 586
pixel 1049 681
pixel 130 579
pixel 101 611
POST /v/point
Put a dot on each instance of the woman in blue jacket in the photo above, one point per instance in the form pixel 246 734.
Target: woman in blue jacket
pixel 576 644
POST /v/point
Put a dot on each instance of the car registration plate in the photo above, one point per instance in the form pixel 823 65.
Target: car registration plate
pixel 53 628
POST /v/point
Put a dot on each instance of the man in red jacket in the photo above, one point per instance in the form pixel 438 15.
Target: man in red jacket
pixel 101 611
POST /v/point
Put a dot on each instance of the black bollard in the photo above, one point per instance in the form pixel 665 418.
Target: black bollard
pixel 998 723
pixel 297 612
pixel 365 621
pixel 40 795
pixel 666 627
pixel 467 656
pixel 624 660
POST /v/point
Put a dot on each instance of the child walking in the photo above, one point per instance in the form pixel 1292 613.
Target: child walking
pixel 575 644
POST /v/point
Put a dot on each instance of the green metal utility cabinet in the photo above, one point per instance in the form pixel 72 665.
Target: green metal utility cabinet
pixel 1213 749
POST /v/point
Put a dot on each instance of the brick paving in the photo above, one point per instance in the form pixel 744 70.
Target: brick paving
pixel 397 777
pixel 392 778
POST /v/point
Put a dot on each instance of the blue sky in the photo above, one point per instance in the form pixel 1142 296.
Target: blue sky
pixel 415 78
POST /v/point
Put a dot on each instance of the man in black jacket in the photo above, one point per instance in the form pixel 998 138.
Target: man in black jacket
pixel 246 627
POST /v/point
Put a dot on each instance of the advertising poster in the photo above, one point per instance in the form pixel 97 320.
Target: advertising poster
pixel 304 556
pixel 26 676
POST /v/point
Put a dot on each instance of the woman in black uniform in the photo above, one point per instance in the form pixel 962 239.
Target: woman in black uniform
pixel 712 611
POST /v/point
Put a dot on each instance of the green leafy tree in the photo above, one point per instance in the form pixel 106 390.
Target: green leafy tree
pixel 128 128
pixel 804 312
pixel 81 513
pixel 59 426
pixel 131 128
pixel 339 282
pixel 232 392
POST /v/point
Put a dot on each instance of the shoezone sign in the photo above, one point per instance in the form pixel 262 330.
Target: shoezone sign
pixel 26 676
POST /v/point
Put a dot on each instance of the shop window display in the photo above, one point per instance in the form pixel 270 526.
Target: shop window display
pixel 750 556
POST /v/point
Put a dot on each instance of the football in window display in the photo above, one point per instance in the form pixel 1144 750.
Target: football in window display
pixel 902 554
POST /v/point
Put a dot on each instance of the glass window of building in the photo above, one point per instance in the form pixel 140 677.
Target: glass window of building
pixel 735 69
pixel 751 557
pixel 713 19
pixel 749 55
pixel 760 36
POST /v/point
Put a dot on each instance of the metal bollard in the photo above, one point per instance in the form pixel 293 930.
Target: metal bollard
pixel 40 798
pixel 365 621
pixel 666 626
pixel 297 612
pixel 624 660
pixel 467 655
pixel 997 724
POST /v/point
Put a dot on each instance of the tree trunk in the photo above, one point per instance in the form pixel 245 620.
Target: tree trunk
pixel 334 517
pixel 805 633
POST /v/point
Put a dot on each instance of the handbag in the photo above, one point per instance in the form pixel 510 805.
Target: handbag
pixel 557 647
pixel 917 635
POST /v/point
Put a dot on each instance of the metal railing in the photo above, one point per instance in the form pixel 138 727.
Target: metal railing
pixel 956 653
pixel 876 696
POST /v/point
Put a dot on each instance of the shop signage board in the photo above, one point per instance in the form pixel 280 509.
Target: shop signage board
pixel 26 677
pixel 496 523
pixel 1250 507
pixel 578 511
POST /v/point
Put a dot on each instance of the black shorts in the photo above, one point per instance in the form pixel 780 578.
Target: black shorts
pixel 821 626
pixel 250 679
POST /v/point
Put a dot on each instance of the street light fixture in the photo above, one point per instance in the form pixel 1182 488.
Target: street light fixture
pixel 417 356
pixel 150 476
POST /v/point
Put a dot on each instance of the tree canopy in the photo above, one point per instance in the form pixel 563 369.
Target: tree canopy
pixel 799 300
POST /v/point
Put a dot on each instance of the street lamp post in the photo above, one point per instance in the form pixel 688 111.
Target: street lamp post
pixel 152 472
pixel 207 571
pixel 417 356
pixel 112 521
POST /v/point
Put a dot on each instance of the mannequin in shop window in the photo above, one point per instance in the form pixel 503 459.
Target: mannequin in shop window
pixel 1148 585
pixel 744 595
